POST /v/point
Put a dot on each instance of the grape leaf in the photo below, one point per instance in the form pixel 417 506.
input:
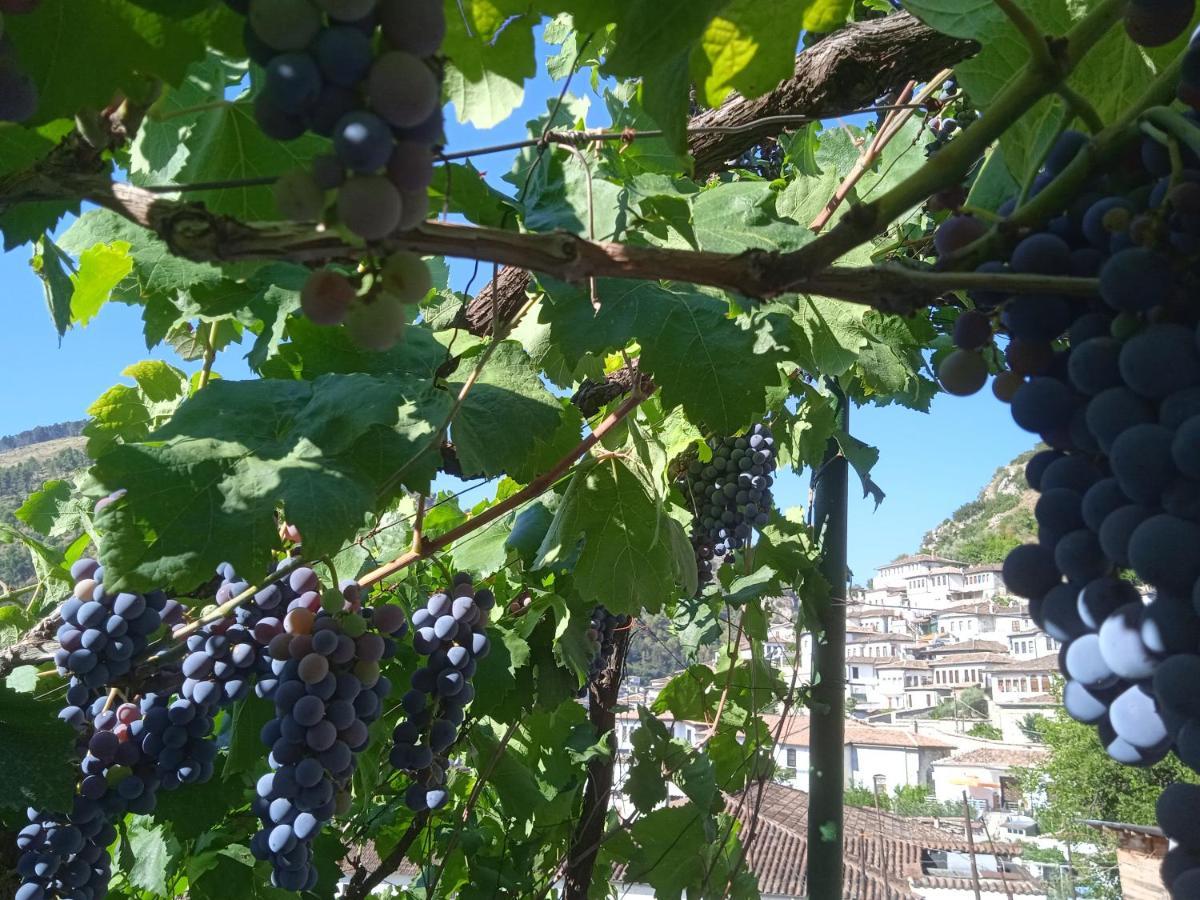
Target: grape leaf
pixel 40 508
pixel 486 77
pixel 152 855
pixel 626 562
pixel 205 488
pixel 126 413
pixel 196 138
pixel 46 778
pixel 123 45
pixel 101 268
pixel 509 394
pixel 687 339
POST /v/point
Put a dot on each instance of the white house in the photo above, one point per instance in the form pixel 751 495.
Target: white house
pixel 987 775
pixel 896 573
pixel 898 756
pixel 935 588
pixel 875 644
pixel 862 681
pixel 963 670
pixel 880 619
pixel 1017 679
pixel 942 648
pixel 982 619
pixel 983 582
pixel 1031 642
pixel 898 679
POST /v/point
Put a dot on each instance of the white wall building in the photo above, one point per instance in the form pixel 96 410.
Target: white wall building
pixel 987 775
pixel 898 756
pixel 963 670
pixel 1031 642
pixel 982 619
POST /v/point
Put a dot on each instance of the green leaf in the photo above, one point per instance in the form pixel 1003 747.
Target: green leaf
pixel 126 414
pixel 22 679
pixel 41 508
pixel 742 215
pixel 245 742
pixel 687 339
pixel 206 487
pixel 151 856
pixel 157 273
pixel 749 47
pixel 486 77
pixel 116 44
pixel 667 840
pixel 625 562
pixel 101 269
pixel 193 137
pixel 46 778
pixel 507 392
pixel 51 265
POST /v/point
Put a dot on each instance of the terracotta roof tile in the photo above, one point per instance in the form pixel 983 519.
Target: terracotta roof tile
pixel 1046 663
pixel 968 659
pixel 994 756
pixel 795 733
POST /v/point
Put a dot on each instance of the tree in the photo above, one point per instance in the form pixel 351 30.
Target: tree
pixel 695 285
pixel 985 730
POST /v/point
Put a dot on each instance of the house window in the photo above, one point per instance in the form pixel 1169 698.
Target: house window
pixel 854 671
pixel 791 758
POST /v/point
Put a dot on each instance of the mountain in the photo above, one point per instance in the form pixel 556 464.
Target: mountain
pixel 27 460
pixel 1000 518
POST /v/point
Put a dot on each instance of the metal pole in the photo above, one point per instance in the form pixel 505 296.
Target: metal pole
pixel 827 778
pixel 971 845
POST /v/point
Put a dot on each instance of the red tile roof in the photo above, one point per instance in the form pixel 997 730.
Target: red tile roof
pixel 998 757
pixel 796 728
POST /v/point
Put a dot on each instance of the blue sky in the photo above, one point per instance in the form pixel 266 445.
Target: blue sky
pixel 929 464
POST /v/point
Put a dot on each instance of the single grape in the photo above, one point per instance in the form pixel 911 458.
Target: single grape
pixel 285 24
pixel 299 197
pixel 369 206
pixel 377 325
pixel 963 372
pixel 414 26
pixel 407 277
pixel 327 297
pixel 403 89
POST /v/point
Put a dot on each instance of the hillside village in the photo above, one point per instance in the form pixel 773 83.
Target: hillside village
pixel 945 676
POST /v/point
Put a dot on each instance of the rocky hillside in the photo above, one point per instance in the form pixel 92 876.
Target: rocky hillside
pixel 27 461
pixel 1000 518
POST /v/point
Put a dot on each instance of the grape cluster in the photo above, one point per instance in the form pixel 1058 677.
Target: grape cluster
pixel 67 855
pixel 451 630
pixel 18 93
pixel 730 495
pixel 1112 385
pixel 103 634
pixel 949 121
pixel 328 690
pixel 602 633
pixel 360 72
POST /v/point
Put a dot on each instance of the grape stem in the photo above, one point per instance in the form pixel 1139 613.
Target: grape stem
pixel 1081 108
pixel 1176 125
pixel 210 356
pixel 1034 36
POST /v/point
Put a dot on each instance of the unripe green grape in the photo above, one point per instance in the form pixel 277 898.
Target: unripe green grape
pixel 403 89
pixel 299 197
pixel 370 206
pixel 406 277
pixel 326 297
pixel 376 325
pixel 285 24
pixel 963 372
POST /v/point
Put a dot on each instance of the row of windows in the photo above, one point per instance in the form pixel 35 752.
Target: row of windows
pixel 951 676
pixel 1025 684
